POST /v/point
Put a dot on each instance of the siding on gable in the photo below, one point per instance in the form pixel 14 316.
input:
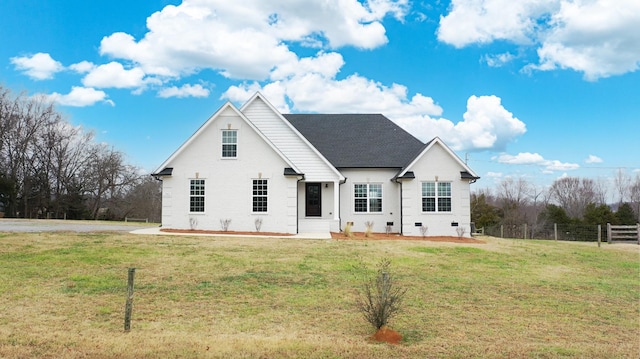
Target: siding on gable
pixel 436 162
pixel 284 138
pixel 228 181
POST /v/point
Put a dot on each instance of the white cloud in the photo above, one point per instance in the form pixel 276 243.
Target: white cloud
pixel 226 36
pixel 556 165
pixel 80 97
pixel 114 75
pixel 82 67
pixel 498 60
pixel 325 64
pixel 527 158
pixel 523 158
pixel 486 125
pixel 39 66
pixel 593 159
pixel 485 21
pixel 598 38
pixel 184 91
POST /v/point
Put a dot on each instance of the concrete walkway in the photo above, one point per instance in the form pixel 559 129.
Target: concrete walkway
pixel 156 231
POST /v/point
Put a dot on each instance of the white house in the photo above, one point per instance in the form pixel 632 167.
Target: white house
pixel 256 168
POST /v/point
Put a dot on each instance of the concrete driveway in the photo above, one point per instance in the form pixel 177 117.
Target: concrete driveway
pixel 51 225
pixel 59 225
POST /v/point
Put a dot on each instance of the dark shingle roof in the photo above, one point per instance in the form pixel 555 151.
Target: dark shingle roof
pixel 358 140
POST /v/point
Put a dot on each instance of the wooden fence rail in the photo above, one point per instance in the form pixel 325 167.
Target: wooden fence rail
pixel 617 233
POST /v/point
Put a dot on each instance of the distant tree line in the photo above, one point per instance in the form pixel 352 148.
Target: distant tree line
pixel 52 169
pixel 569 200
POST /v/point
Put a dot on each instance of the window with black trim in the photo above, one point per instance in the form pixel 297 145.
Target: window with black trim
pixel 196 195
pixel 229 143
pixel 367 197
pixel 260 195
pixel 436 196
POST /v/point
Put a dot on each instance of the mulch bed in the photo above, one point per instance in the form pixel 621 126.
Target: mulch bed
pixel 396 236
pixel 202 231
pixel 387 335
pixel 337 235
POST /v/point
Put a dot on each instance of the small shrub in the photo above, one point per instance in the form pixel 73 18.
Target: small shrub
pixel 461 231
pixel 347 229
pixel 224 223
pixel 380 298
pixel 369 230
pixel 424 229
pixel 258 223
pixel 193 223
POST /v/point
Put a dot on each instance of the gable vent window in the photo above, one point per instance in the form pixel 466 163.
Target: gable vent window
pixel 229 143
pixel 367 197
pixel 260 195
pixel 436 196
pixel 196 196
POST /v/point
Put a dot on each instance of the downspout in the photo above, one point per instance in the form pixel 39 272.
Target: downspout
pixel 401 207
pixel 340 183
pixel 300 178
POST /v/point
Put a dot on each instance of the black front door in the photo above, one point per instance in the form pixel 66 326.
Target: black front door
pixel 313 198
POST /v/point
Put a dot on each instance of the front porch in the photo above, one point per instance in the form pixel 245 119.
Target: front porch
pixel 318 207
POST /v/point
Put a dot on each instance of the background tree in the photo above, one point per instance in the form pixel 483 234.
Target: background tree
pixel 49 168
pixel 573 194
pixel 634 196
pixel 622 183
pixel 484 214
pixel 599 214
pixel 553 214
pixel 513 196
pixel 145 199
pixel 625 215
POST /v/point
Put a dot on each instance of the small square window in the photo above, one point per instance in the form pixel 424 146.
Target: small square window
pixel 367 197
pixel 436 201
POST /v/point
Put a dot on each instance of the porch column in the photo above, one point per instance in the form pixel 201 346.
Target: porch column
pixel 336 200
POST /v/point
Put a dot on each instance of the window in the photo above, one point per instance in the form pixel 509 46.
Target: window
pixel 368 197
pixel 229 143
pixel 196 196
pixel 259 195
pixel 436 196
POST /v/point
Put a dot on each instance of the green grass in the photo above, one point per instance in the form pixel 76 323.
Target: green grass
pixel 62 296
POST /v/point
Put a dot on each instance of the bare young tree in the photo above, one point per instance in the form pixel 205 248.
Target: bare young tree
pixel 513 196
pixel 634 195
pixel 622 183
pixel 601 191
pixel 539 198
pixel 573 194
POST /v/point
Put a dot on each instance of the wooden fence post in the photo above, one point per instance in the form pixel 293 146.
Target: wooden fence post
pixel 609 233
pixel 128 308
pixel 501 231
pixel 555 231
pixel 525 231
pixel 599 234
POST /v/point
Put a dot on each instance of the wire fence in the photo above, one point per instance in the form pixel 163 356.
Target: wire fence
pixel 563 232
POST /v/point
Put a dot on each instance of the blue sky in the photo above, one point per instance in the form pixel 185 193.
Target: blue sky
pixel 534 88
